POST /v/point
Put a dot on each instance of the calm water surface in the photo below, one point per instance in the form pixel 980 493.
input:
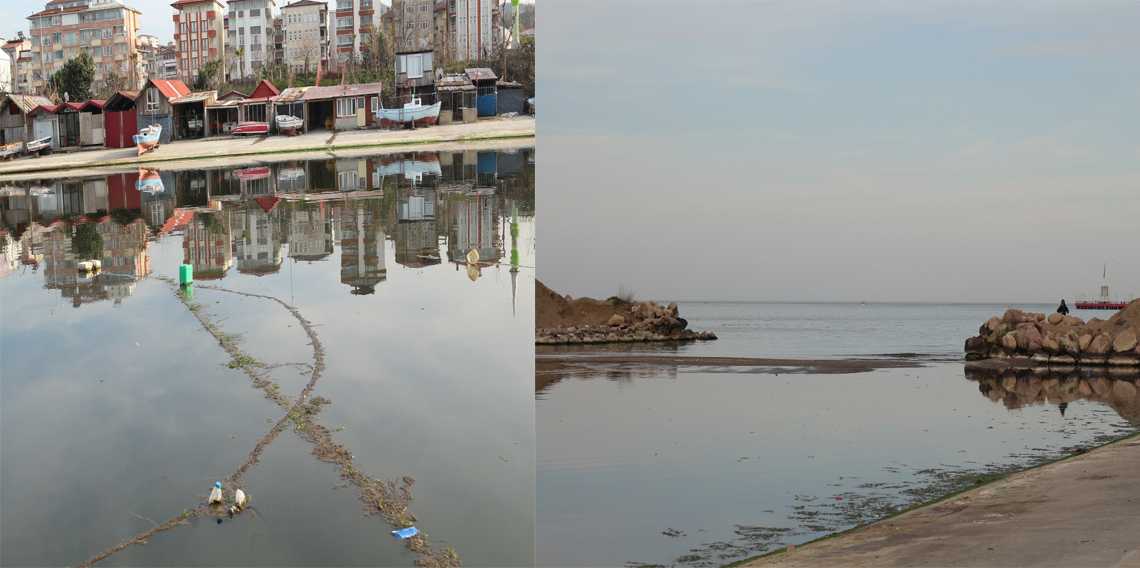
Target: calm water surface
pixel 118 407
pixel 682 465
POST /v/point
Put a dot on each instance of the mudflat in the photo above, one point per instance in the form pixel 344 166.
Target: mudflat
pixel 1081 511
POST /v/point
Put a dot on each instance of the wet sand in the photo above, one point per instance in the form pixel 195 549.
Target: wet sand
pixel 452 136
pixel 1077 512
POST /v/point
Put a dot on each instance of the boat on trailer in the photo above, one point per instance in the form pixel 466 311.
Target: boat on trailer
pixel 288 124
pixel 412 113
pixel 11 150
pixel 147 138
pixel 251 127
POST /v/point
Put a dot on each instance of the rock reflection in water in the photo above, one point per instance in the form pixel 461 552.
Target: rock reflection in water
pixel 1016 388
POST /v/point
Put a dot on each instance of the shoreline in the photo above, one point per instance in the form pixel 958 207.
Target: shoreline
pixel 243 148
pixel 1035 516
pixel 805 366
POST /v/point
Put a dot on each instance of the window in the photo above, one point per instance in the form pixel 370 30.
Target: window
pixel 193 26
pixel 409 43
pixel 409 8
pixel 343 5
pixel 241 40
pixel 47 57
pixel 183 46
pixel 193 45
pixel 344 23
pixel 410 26
pixel 152 99
pixel 346 107
pixel 365 21
pixel 375 107
pixel 348 180
pixel 46 40
pixel 57 38
pixel 106 33
pixel 254 21
pixel 424 25
pixel 107 50
pixel 183 28
pixel 55 20
pixel 423 7
pixel 344 40
pixel 194 63
pixel 59 55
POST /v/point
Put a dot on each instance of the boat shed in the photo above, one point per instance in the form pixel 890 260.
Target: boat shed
pixel 91 131
pixel 414 77
pixel 120 120
pixel 509 97
pixel 15 122
pixel 485 83
pixel 153 105
pixel 222 116
pixel 290 102
pixel 67 117
pixel 457 97
pixel 189 114
pixel 233 96
pixel 341 107
pixel 45 123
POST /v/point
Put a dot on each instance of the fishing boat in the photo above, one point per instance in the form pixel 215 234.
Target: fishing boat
pixel 414 113
pixel 194 124
pixel 288 124
pixel 147 138
pixel 251 127
pixel 13 191
pixel 11 150
pixel 149 181
pixel 40 146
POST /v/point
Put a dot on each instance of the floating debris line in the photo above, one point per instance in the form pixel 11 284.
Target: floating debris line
pixel 383 497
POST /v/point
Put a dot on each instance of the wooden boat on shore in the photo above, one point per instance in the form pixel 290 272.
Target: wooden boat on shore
pixel 40 146
pixel 11 150
pixel 147 138
pixel 251 127
pixel 288 124
pixel 413 113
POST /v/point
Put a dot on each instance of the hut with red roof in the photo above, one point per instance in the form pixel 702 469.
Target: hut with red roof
pixel 153 105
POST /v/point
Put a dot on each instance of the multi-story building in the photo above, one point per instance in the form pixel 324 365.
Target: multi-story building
pixel 413 23
pixel 250 32
pixel 106 30
pixel 24 70
pixel 471 23
pixel 13 49
pixel 148 46
pixel 166 62
pixel 198 37
pixel 306 34
pixel 278 40
pixel 354 22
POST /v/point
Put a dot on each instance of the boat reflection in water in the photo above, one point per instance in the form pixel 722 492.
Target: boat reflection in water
pixel 1016 388
pixel 252 218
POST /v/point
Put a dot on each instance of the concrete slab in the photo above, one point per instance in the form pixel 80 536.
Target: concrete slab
pixel 1083 511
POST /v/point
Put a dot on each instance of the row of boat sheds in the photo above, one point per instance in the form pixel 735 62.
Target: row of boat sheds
pixel 186 115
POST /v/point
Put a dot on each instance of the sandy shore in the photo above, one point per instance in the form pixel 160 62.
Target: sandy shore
pixel 452 136
pixel 1081 511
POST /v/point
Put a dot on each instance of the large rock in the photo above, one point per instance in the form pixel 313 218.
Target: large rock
pixel 1055 318
pixel 1100 345
pixel 673 309
pixel 1072 320
pixel 1009 342
pixel 976 346
pixel 615 320
pixel 1084 341
pixel 1070 343
pixel 1050 345
pixel 1124 342
pixel 1124 389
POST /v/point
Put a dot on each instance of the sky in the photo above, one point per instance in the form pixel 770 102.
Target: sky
pixel 959 152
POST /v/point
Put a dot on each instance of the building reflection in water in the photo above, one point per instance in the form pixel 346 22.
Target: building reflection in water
pixel 426 204
pixel 1017 388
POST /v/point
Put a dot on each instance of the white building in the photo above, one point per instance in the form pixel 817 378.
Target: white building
pixel 6 84
pixel 471 24
pixel 251 30
pixel 305 23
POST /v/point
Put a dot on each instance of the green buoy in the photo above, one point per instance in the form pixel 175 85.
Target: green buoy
pixel 185 274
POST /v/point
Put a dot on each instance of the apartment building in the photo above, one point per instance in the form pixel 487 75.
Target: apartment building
pixel 472 24
pixel 13 49
pixel 166 62
pixel 198 34
pixel 147 46
pixel 354 19
pixel 413 25
pixel 251 32
pixel 105 29
pixel 306 29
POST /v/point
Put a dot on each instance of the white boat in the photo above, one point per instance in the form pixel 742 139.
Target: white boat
pixel 414 113
pixel 41 145
pixel 287 124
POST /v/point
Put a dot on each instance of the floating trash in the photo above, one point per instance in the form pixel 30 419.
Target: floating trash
pixel 216 493
pixel 406 533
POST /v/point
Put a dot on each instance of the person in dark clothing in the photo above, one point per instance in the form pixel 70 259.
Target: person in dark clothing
pixel 1063 310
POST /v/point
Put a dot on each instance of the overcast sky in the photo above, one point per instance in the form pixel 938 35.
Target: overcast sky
pixel 840 151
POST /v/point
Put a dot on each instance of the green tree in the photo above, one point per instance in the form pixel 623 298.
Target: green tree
pixel 206 74
pixel 75 78
pixel 87 244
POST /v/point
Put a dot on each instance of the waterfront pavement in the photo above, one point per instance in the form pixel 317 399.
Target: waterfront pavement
pixel 231 146
pixel 1078 512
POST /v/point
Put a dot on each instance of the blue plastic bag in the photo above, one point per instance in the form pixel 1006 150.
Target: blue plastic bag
pixel 405 533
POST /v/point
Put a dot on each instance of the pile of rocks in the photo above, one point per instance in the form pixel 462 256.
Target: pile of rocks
pixel 1016 388
pixel 647 321
pixel 1060 340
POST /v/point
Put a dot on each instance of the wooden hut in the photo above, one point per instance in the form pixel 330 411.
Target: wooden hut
pixel 45 123
pixel 341 107
pixel 15 122
pixel 189 114
pixel 508 97
pixel 457 97
pixel 414 77
pixel 485 83
pixel 91 131
pixel 153 105
pixel 120 120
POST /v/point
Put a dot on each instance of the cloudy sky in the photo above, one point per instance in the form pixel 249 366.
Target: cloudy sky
pixel 840 151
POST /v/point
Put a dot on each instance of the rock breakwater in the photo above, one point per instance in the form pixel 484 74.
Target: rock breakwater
pixel 1060 340
pixel 562 320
